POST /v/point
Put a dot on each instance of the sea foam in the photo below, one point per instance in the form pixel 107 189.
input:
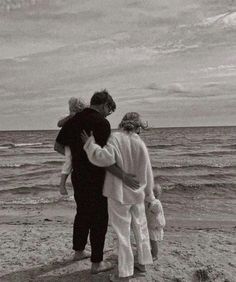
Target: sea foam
pixel 225 20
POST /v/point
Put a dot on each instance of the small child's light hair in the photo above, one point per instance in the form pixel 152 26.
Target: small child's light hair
pixel 76 105
pixel 157 190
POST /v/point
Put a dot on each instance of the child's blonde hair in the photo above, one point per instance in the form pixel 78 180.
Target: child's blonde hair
pixel 76 105
pixel 157 190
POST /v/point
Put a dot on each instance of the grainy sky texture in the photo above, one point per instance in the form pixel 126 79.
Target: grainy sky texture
pixel 172 61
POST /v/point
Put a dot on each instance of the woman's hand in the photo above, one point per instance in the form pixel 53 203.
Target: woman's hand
pixel 84 136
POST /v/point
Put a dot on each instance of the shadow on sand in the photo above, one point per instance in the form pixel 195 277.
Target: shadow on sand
pixel 66 271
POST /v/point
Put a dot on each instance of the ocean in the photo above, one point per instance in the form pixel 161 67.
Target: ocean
pixel 186 159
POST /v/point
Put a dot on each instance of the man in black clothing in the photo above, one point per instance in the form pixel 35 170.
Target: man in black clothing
pixel 87 179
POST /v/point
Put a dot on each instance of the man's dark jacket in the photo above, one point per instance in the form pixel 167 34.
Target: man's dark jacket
pixel 86 177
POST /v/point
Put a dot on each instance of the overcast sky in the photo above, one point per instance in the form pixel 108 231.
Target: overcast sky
pixel 172 61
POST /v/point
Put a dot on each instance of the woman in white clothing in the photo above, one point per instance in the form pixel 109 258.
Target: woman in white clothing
pixel 125 205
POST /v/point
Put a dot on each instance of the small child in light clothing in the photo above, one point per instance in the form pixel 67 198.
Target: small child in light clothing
pixel 75 106
pixel 155 220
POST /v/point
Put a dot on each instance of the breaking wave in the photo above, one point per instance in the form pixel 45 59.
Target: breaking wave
pixel 17 145
pixel 15 165
pixel 197 166
pixel 225 20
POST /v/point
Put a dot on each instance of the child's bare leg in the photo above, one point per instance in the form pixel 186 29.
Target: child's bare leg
pixel 62 184
pixel 154 249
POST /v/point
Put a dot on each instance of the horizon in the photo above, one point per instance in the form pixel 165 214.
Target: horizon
pixel 174 63
pixel 170 127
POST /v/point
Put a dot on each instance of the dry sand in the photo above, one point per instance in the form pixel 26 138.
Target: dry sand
pixel 199 242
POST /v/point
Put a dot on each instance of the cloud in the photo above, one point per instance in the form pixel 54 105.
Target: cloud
pixel 151 56
pixel 176 88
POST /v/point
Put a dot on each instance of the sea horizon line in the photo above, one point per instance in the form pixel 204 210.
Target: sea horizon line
pixel 151 127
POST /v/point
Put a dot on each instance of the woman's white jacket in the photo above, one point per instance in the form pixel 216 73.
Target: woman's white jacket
pixel 130 153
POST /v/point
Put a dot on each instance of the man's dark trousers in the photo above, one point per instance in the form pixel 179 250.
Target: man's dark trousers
pixel 91 216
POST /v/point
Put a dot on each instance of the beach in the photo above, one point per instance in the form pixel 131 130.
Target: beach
pixel 174 62
pixel 199 241
pixel 195 167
